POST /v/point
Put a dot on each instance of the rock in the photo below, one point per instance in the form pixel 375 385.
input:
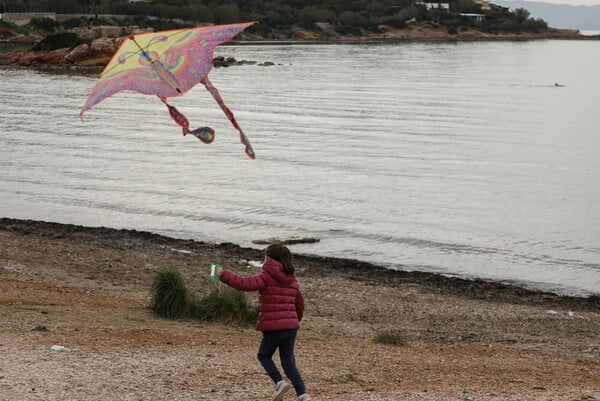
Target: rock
pixel 87 33
pixel 98 53
pixel 12 57
pixel 103 45
pixel 304 35
pixel 78 54
pixel 54 57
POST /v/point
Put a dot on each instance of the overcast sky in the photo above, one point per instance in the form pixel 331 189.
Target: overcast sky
pixel 569 2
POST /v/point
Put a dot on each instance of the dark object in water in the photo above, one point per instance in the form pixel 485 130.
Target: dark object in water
pixel 287 241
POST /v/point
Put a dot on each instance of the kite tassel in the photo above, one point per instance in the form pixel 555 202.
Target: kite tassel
pixel 205 134
pixel 217 96
pixel 176 115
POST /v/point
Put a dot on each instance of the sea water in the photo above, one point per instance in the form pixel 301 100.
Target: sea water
pixel 476 160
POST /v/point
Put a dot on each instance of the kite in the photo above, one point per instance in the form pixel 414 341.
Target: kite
pixel 168 64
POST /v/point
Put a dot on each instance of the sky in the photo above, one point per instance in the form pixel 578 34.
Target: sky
pixel 569 2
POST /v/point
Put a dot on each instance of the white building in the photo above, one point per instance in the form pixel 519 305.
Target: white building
pixel 431 5
pixel 474 17
pixel 485 4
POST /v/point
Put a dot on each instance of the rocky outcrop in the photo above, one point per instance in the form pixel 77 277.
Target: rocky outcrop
pixel 306 35
pixel 442 34
pixel 98 53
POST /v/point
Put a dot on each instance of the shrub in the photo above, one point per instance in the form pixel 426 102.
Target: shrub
pixel 59 41
pixel 392 20
pixel 353 19
pixel 74 23
pixel 348 30
pixel 172 299
pixel 44 24
pixel 170 296
pixel 225 305
pixel 391 337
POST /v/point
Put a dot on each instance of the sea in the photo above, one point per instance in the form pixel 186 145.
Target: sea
pixel 478 160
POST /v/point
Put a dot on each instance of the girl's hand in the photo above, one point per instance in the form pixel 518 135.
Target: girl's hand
pixel 218 271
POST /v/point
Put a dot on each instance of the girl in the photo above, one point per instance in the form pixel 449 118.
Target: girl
pixel 280 305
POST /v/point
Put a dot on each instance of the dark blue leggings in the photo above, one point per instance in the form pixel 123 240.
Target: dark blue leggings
pixel 285 341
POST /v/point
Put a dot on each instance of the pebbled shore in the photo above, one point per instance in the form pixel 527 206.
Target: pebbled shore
pixel 87 289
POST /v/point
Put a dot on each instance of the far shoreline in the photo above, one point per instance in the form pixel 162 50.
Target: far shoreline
pixel 322 266
pixel 89 59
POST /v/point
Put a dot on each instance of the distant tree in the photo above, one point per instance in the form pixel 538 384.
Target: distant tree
pixel 58 41
pixel 279 15
pixel 521 14
pixel 45 24
pixel 74 22
pixel 534 25
pixel 283 17
pixel 465 6
pixel 203 14
pixel 352 18
pixel 409 13
pixel 348 30
pixel 226 14
pixel 311 15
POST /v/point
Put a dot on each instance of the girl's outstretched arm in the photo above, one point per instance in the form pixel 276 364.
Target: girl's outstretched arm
pixel 241 283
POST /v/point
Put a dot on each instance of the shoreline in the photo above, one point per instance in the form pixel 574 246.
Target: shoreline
pixel 471 288
pixel 77 324
pixel 100 51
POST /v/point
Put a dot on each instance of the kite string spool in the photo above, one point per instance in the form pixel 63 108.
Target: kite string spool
pixel 216 278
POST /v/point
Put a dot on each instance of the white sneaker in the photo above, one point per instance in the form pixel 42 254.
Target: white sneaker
pixel 280 389
pixel 304 397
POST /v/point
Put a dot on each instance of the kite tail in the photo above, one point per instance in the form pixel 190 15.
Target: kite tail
pixel 205 134
pixel 243 138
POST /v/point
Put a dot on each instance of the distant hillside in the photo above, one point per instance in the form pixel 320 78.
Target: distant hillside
pixel 559 15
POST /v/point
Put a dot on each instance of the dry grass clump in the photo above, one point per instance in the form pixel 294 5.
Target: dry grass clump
pixel 391 337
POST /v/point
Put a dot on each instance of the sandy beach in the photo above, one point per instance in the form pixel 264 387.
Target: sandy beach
pixel 76 325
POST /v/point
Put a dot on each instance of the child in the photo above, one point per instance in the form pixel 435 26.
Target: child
pixel 280 306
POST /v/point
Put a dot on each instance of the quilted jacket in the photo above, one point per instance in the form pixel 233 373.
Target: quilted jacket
pixel 280 301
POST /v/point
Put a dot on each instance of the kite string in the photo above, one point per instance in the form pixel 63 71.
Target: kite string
pixel 218 284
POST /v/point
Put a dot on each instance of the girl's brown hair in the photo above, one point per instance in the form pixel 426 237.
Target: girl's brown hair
pixel 282 254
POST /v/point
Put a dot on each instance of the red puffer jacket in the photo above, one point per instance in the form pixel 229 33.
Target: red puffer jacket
pixel 280 301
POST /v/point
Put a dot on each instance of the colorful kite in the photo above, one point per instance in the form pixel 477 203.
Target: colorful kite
pixel 168 64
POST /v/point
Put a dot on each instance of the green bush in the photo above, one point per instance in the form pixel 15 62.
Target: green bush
pixel 170 296
pixel 172 299
pixel 224 305
pixel 75 23
pixel 391 337
pixel 59 41
pixel 348 30
pixel 44 24
pixel 14 27
pixel 353 19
